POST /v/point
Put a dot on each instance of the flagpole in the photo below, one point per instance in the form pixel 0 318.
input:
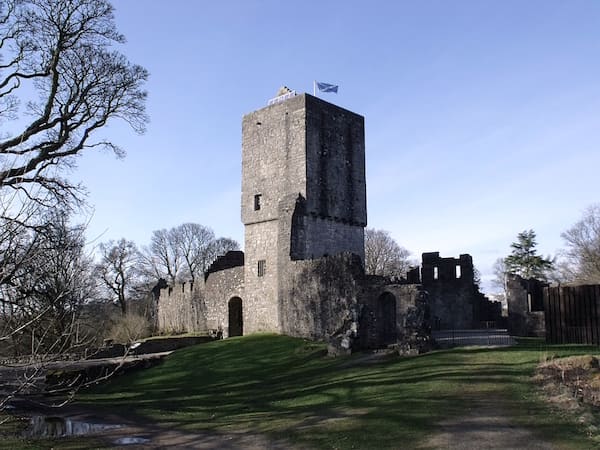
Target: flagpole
pixel 314 88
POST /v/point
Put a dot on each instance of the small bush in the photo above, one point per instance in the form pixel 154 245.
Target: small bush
pixel 129 328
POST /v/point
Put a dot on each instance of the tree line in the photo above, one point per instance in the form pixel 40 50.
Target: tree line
pixel 577 263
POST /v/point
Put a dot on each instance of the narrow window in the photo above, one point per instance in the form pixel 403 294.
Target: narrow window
pixel 257 202
pixel 435 273
pixel 529 305
pixel 458 271
pixel 261 267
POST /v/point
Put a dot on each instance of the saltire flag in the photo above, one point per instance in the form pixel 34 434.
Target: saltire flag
pixel 326 87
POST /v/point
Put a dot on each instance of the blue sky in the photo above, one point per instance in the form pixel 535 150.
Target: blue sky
pixel 482 117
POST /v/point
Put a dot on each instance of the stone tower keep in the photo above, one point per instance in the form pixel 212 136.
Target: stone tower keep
pixel 303 196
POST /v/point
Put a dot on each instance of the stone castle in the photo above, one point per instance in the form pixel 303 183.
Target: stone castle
pixel 303 207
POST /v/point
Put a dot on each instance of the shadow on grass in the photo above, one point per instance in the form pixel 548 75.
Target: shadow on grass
pixel 286 387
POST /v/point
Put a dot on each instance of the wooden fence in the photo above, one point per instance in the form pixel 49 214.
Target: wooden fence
pixel 572 314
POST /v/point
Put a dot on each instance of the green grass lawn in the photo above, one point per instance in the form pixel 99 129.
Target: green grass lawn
pixel 288 388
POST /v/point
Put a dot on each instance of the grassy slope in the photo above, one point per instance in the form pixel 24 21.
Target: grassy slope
pixel 287 387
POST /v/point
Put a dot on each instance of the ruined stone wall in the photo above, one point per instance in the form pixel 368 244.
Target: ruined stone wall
pixel 331 298
pixel 318 296
pixel 201 307
pixel 180 309
pixel 411 310
pixel 451 305
pixel 220 287
pixel 452 292
pixel 522 296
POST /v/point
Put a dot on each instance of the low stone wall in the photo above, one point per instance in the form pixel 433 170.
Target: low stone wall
pixel 165 344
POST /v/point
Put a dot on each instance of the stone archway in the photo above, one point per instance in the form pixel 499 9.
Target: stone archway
pixel 236 317
pixel 386 318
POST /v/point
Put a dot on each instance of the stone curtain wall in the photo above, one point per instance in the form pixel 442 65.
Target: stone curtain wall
pixel 181 309
pixel 201 308
pixel 220 287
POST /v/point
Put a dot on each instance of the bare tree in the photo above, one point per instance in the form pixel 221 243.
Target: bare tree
pixel 193 242
pixel 60 82
pixel 162 258
pixel 41 299
pixel 500 271
pixel 119 270
pixel 48 285
pixel 183 252
pixel 384 256
pixel 219 247
pixel 583 247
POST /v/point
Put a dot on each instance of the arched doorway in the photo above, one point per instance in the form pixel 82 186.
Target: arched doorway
pixel 386 315
pixel 236 318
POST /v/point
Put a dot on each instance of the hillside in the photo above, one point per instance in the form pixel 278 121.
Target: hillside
pixel 287 388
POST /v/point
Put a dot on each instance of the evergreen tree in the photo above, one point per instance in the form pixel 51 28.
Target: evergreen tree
pixel 524 260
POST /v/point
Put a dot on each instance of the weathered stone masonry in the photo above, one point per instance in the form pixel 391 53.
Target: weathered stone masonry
pixel 203 306
pixel 454 297
pixel 303 206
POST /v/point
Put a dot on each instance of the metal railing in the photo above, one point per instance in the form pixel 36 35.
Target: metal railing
pixel 483 337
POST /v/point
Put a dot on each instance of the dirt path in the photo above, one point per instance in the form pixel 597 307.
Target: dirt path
pixel 121 432
pixel 484 427
pixel 487 425
pixel 157 438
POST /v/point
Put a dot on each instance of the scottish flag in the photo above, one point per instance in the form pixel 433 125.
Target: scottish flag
pixel 326 87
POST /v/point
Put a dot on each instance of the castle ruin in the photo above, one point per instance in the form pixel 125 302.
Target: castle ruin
pixel 303 207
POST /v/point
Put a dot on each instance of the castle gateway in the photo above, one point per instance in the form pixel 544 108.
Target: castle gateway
pixel 303 207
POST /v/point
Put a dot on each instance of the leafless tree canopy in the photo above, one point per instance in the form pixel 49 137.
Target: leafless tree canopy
pixel 60 81
pixel 49 281
pixel 583 247
pixel 383 255
pixel 183 252
pixel 500 271
pixel 119 270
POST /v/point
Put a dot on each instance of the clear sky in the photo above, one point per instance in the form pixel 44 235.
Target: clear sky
pixel 482 117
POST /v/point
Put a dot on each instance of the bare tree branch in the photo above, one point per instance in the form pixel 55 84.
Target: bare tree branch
pixel 62 48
